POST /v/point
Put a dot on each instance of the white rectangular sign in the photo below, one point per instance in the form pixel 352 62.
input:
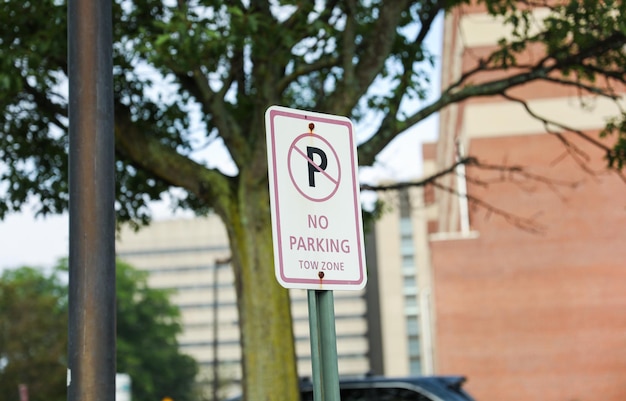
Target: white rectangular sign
pixel 314 196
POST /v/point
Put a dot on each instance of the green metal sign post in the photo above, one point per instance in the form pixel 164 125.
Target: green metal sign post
pixel 323 346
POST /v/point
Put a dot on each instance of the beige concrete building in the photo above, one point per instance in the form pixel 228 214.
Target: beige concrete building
pixel 186 256
pixel 384 329
pixel 400 287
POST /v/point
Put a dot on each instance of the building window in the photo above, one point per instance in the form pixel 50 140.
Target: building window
pixel 407 260
pixel 415 366
pixel 409 285
pixel 410 289
pixel 412 326
pixel 414 346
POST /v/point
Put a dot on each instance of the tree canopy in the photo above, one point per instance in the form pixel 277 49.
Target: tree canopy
pixel 147 349
pixel 33 337
pixel 223 64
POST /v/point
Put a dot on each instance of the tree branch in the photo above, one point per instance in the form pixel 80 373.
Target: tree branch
pixel 523 223
pixel 299 16
pixel 348 44
pixel 520 177
pixel 55 110
pixel 508 174
pixel 389 130
pixel 370 148
pixel 371 54
pixel 579 156
pixel 527 224
pixel 427 19
pixel 305 69
pixel 420 183
pixel 164 162
pixel 605 92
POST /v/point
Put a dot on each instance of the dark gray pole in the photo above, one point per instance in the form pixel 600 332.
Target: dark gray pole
pixel 91 365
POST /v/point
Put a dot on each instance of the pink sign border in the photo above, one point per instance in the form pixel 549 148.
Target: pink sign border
pixel 314 118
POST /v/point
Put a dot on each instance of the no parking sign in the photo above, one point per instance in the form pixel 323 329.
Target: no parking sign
pixel 314 197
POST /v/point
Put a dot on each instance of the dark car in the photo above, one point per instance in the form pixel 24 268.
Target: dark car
pixel 377 388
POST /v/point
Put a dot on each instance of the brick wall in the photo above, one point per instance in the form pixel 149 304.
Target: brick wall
pixel 536 316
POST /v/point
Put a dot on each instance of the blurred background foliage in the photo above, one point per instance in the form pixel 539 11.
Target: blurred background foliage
pixel 33 336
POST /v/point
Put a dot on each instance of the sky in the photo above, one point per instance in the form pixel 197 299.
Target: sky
pixel 26 240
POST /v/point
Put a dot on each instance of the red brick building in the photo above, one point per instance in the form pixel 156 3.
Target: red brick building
pixel 530 286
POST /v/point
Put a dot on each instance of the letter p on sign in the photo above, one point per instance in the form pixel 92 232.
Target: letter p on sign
pixel 313 167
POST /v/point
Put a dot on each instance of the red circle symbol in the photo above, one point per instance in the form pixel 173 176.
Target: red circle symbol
pixel 316 181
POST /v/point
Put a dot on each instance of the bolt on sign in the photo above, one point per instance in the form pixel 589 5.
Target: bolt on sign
pixel 314 197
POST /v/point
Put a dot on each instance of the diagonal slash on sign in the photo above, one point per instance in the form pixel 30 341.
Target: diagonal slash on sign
pixel 318 168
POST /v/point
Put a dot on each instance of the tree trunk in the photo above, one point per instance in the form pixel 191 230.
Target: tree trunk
pixel 269 361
